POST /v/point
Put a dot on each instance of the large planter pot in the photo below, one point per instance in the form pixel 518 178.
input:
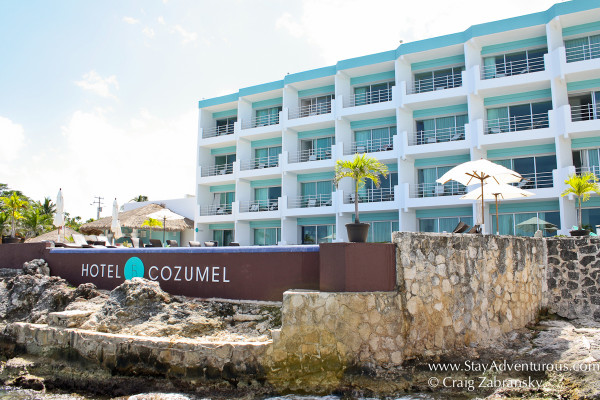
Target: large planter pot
pixel 9 240
pixel 580 232
pixel 357 232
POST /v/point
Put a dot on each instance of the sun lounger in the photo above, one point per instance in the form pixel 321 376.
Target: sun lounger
pixel 155 243
pixel 475 229
pixel 460 228
pixel 137 242
pixel 192 243
pixel 210 243
pixel 103 241
pixel 172 243
pixel 80 241
pixel 234 244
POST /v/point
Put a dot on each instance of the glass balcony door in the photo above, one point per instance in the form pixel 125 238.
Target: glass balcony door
pixel 224 163
pixel 428 187
pixel 314 234
pixel 536 170
pixel 514 63
pixel 442 129
pixel 585 107
pixel 316 105
pixel 374 93
pixel 442 224
pixel 437 80
pixel 518 117
pixel 587 160
pixel 266 157
pixel 267 236
pixel 267 198
pixel 316 149
pixel 223 237
pixel 385 192
pixel 376 139
pixel 526 224
pixel 585 48
pixel 381 231
pixel 267 116
pixel 316 194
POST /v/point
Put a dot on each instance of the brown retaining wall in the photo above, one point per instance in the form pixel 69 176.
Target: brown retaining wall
pixel 14 255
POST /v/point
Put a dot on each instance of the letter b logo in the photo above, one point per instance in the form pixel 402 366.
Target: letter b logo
pixel 134 268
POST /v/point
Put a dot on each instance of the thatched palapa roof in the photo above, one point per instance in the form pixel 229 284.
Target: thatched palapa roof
pixel 134 219
pixel 53 236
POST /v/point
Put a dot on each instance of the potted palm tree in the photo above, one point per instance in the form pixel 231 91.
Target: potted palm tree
pixel 13 205
pixel 360 169
pixel 581 186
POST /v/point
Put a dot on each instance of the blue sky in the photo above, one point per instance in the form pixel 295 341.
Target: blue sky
pixel 100 97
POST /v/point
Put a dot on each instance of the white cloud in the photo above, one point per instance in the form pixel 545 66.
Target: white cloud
pixel 186 36
pixel 12 137
pixel 148 32
pixel 161 20
pixel 98 85
pixel 286 22
pixel 130 20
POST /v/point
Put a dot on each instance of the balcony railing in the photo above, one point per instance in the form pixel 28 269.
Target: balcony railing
pixel 218 209
pixel 310 110
pixel 378 96
pixel 259 205
pixel 433 189
pixel 511 68
pixel 311 200
pixel 436 83
pixel 583 52
pixel 218 131
pixel 371 196
pixel 260 163
pixel 370 146
pixel 594 169
pixel 585 112
pixel 450 134
pixel 517 123
pixel 323 153
pixel 213 170
pixel 535 180
pixel 265 120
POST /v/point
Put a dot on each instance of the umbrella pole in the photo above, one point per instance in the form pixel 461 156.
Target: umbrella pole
pixel 164 227
pixel 482 216
pixel 497 226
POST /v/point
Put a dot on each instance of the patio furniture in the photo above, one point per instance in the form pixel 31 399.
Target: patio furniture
pixel 475 229
pixel 80 241
pixel 155 243
pixel 234 244
pixel 192 243
pixel 311 203
pixel 172 243
pixel 210 243
pixel 461 227
pixel 103 241
pixel 137 242
pixel 253 208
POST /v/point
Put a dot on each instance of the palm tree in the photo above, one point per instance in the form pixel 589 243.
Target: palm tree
pixel 581 186
pixel 152 223
pixel 140 199
pixel 36 222
pixel 360 169
pixel 47 207
pixel 14 204
pixel 3 219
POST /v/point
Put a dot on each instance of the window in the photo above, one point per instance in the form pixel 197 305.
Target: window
pixel 521 62
pixel 373 93
pixel 314 234
pixel 590 219
pixel 222 203
pixel 442 224
pixel 536 170
pixel 224 164
pixel 585 107
pixel 266 199
pixel 385 192
pixel 437 80
pixel 442 129
pixel 267 236
pixel 526 224
pixel 381 231
pixel 267 116
pixel 225 126
pixel 518 117
pixel 428 187
pixel 316 194
pixel 376 139
pixel 316 149
pixel 223 236
pixel 316 105
pixel 584 48
pixel 587 160
pixel 266 157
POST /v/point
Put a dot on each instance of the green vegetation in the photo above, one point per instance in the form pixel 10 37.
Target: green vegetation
pixel 581 186
pixel 152 223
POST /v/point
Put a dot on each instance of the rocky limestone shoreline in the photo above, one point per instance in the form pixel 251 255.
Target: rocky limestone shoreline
pixel 138 338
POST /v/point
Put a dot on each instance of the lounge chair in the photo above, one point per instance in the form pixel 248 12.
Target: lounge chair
pixel 475 229
pixel 311 203
pixel 460 228
pixel 80 241
pixel 253 208
pixel 137 242
pixel 234 244
pixel 192 243
pixel 103 241
pixel 155 243
pixel 172 243
pixel 210 243
pixel 312 157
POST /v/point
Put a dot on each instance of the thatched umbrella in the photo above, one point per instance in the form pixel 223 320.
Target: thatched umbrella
pixel 51 236
pixel 134 219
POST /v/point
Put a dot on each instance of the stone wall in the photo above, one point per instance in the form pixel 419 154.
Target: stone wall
pixel 574 277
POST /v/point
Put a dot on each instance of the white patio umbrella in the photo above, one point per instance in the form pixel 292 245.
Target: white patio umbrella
pixel 533 223
pixel 166 215
pixel 115 226
pixel 59 215
pixel 480 171
pixel 495 191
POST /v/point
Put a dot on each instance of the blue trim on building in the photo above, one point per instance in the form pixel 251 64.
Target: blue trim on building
pixel 367 123
pixel 264 87
pixel 440 161
pixel 229 225
pixel 518 97
pixel 438 111
pixel 225 114
pixel 437 63
pixel 222 150
pixel 382 76
pixel 187 250
pixel 316 133
pixel 581 29
pixel 445 212
pixel 317 176
pixel 271 223
pixel 316 91
pixel 310 74
pixel 266 183
pixel 516 45
pixel 583 85
pixel 583 143
pixel 316 221
pixel 522 151
pixel 266 142
pixel 222 188
pixel 268 103
pixel 531 206
pixel 215 101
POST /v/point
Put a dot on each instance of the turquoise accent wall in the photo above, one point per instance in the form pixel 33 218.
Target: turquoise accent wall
pixel 543 94
pixel 316 221
pixel 530 206
pixel 222 150
pixel 522 151
pixel 220 226
pixel 272 223
pixel 318 176
pixel 437 63
pixel 228 98
pixel 223 188
pixel 580 29
pixel 225 114
pixel 594 201
pixel 316 91
pixel 392 167
pixel 582 143
pixel 367 60
pixel 448 110
pixel 268 103
pixel 264 87
pixel 266 183
pixel 316 133
pixel 368 123
pixel 311 74
pixel 382 76
pixel 445 212
pixel 583 85
pixel 381 216
pixel 266 142
pixel 439 161
pixel 516 45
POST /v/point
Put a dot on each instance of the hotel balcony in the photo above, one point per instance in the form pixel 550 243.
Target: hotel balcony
pixel 580 121
pixel 435 84
pixel 511 68
pixel 434 189
pixel 585 112
pixel 370 146
pixel 222 130
pixel 530 128
pixel 257 122
pixel 378 96
pixel 442 135
pixel 254 206
pixel 310 110
pixel 216 170
pixel 219 209
pixel 583 52
pixel 260 163
pixel 376 195
pixel 310 155
pixel 536 180
pixel 311 201
pixel 516 123
pixel 595 169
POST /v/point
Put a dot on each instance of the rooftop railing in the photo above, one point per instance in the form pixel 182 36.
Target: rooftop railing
pixel 375 195
pixel 218 131
pixel 310 110
pixel 583 52
pixel 323 153
pixel 434 189
pixel 510 68
pixel 311 200
pixel 260 163
pixel 585 112
pixel 265 120
pixel 516 123
pixel 436 83
pixel 449 134
pixel 221 169
pixel 378 96
pixel 370 146
pixel 216 209
pixel 259 205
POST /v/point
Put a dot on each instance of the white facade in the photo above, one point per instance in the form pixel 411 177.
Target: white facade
pixel 524 92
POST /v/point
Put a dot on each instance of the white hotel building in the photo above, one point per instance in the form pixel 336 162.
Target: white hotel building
pixel 523 92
